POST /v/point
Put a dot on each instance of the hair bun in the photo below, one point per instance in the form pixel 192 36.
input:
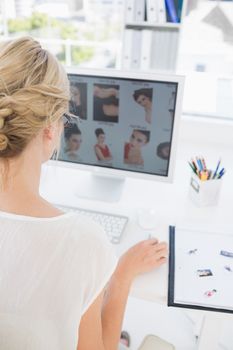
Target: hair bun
pixel 34 93
pixel 3 142
pixel 6 112
pixel 1 122
pixel 5 100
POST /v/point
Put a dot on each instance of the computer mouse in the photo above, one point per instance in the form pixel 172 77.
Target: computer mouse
pixel 147 218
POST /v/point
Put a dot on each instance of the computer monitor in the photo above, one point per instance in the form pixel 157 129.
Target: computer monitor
pixel 127 127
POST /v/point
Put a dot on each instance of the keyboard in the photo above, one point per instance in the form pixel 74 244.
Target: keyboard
pixel 113 225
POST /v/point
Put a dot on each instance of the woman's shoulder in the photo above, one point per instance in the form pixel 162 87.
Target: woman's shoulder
pixel 92 246
pixel 87 234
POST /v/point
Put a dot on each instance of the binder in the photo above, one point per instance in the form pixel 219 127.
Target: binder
pixel 161 11
pixel 165 49
pixel 151 11
pixel 129 11
pixel 173 37
pixel 127 49
pixel 179 5
pixel 155 50
pixel 200 270
pixel 139 11
pixel 160 49
pixel 171 11
pixel 145 60
pixel 136 48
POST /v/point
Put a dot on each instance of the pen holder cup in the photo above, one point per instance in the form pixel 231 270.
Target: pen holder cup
pixel 204 193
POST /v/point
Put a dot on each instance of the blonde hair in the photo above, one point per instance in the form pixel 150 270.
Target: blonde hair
pixel 34 92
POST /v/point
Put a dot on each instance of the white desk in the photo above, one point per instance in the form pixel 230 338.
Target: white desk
pixel 169 200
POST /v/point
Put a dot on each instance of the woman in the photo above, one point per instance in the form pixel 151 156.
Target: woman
pixel 73 141
pixel 163 150
pixel 144 98
pixel 101 149
pixel 132 149
pixel 54 267
pixel 78 101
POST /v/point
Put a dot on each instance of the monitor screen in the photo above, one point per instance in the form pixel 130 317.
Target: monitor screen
pixel 126 122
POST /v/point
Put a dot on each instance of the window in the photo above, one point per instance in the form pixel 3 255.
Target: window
pixel 88 33
pixel 79 32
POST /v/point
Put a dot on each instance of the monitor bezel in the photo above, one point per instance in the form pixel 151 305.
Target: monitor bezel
pixel 138 75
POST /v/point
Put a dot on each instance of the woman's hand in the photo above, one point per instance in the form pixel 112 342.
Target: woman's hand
pixel 142 257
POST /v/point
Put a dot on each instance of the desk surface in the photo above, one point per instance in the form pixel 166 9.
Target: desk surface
pixel 170 201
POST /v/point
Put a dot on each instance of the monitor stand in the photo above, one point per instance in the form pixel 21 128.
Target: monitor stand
pixel 101 187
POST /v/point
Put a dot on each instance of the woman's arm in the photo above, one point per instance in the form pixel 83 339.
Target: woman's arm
pixel 141 258
pixel 90 328
pixel 99 154
pixel 113 308
pixel 100 326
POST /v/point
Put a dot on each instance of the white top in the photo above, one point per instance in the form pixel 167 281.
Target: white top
pixel 51 270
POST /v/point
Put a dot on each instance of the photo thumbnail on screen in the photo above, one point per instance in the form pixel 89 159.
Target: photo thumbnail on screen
pixel 133 147
pixel 78 101
pixel 106 103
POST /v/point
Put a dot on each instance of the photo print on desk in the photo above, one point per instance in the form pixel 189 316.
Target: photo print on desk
pixel 226 253
pixel 204 272
pixel 210 293
pixel 228 268
pixel 192 251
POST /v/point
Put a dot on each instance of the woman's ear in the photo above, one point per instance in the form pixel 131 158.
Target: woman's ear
pixel 53 132
pixel 48 133
pixel 51 139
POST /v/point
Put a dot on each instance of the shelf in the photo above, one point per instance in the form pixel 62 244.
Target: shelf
pixel 169 25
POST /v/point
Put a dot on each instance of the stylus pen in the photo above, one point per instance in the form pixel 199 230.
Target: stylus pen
pixel 203 164
pixel 222 172
pixel 210 173
pixel 194 164
pixel 192 167
pixel 199 164
pixel 217 168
